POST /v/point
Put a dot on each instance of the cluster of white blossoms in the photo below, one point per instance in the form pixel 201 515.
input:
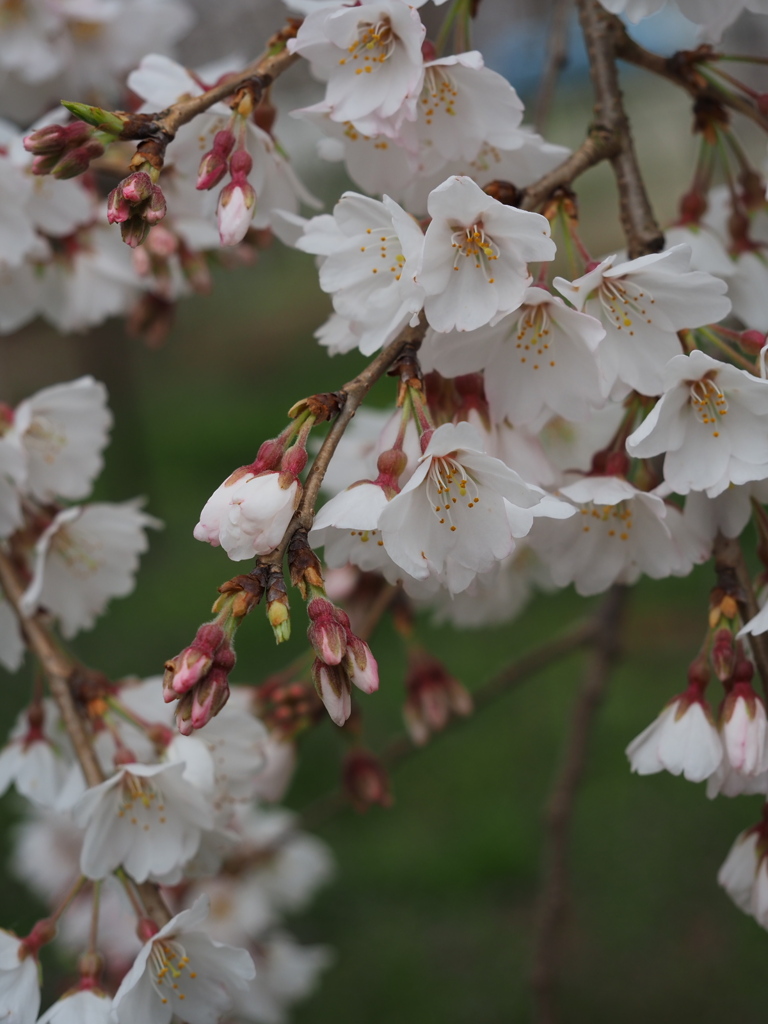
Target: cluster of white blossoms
pixel 183 812
pixel 549 431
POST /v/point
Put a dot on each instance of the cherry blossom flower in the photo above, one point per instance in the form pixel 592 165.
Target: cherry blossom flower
pixel 62 431
pixel 181 971
pixel 249 514
pixel 19 981
pixel 743 728
pixel 286 972
pixel 474 267
pixel 643 303
pixel 370 252
pixel 711 424
pixel 84 1006
pixel 147 817
pixel 744 874
pixel 450 520
pixel 619 534
pixel 37 759
pixel 88 555
pixel 539 360
pixel 370 57
pixel 683 740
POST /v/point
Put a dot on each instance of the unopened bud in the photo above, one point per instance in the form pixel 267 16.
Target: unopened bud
pixel 723 654
pixel 184 715
pixel 699 672
pixel 333 689
pixel 75 161
pixel 212 169
pixel 365 781
pixel 134 231
pixel 136 187
pixel 237 205
pixel 279 617
pixel 361 665
pixel 209 697
pixel 155 208
pixel 392 463
pixel 50 139
pixel 240 164
pixel 118 207
pixel 752 341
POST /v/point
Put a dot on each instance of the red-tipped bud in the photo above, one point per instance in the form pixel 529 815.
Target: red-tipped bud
pixel 333 689
pixel 137 187
pixel 365 781
pixel 212 169
pixel 433 695
pixel 118 207
pixel 327 636
pixel 209 697
pixel 361 665
pixel 42 165
pixel 146 929
pixel 51 139
pixel 155 207
pixel 240 164
pixel 392 463
pixel 269 456
pixel 723 654
pixel 134 231
pixel 184 715
pixel 294 460
pixel 752 341
pixel 428 51
pixel 75 161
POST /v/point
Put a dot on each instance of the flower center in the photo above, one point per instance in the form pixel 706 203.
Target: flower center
pixel 709 403
pixel 375 43
pixel 439 92
pixel 447 485
pixel 618 519
pixel 83 558
pixel 624 303
pixel 44 439
pixel 473 243
pixel 384 247
pixel 532 334
pixel 170 970
pixel 141 803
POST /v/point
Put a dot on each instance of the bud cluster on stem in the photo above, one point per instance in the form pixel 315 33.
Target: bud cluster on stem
pixel 136 204
pixel 64 151
pixel 342 659
pixel 433 695
pixel 198 677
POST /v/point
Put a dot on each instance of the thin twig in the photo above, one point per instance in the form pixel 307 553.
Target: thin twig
pixel 557 59
pixel 733 575
pixel 600 144
pixel 681 70
pixel 401 748
pixel 553 898
pixel 640 228
pixel 60 670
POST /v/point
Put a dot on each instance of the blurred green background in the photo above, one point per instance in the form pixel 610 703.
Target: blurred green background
pixel 432 911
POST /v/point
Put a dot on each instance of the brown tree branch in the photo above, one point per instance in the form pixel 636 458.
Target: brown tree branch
pixel 640 228
pixel 401 748
pixel 553 898
pixel 681 70
pixel 60 670
pixel 733 576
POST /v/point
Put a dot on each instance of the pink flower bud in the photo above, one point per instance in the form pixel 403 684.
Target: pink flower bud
pixel 240 164
pixel 155 207
pixel 51 139
pixel 134 231
pixel 361 665
pixel 212 169
pixel 237 205
pixel 136 187
pixel 75 161
pixel 209 697
pixel 365 781
pixel 118 207
pixel 332 687
pixel 752 341
pixel 44 164
pixel 184 715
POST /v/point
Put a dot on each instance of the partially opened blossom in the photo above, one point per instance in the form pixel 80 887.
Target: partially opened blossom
pixel 180 971
pixel 88 555
pixel 642 304
pixel 711 422
pixel 147 817
pixel 476 252
pixel 249 514
pixel 450 520
pixel 370 57
pixel 683 740
pixel 62 432
pixel 619 534
pixel 744 731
